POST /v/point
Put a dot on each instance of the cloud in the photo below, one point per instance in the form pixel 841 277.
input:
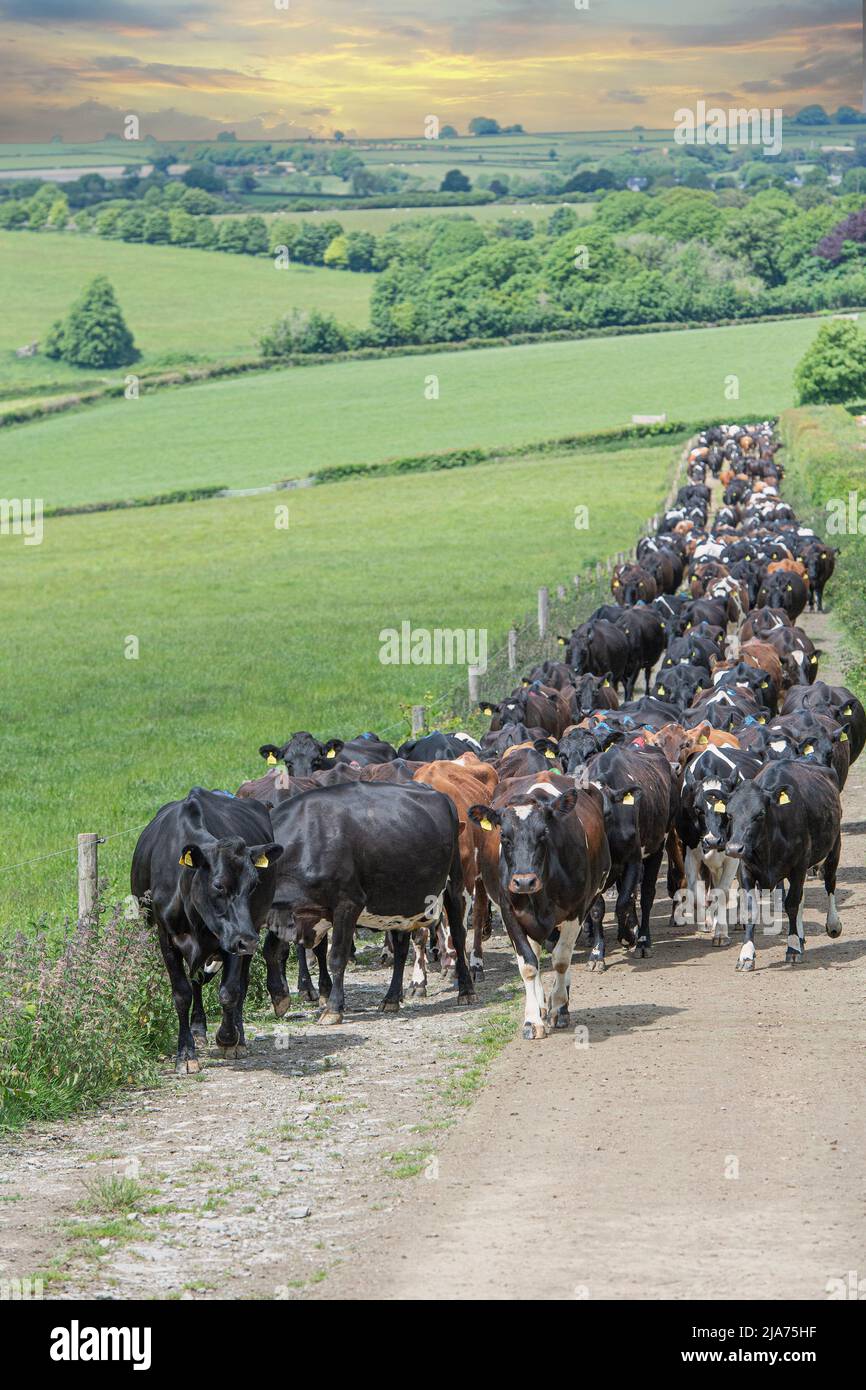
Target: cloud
pixel 624 94
pixel 124 15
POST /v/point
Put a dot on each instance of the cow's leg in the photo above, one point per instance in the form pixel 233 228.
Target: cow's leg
pixel 199 1017
pixel 418 987
pixel 338 955
pixel 723 882
pixel 557 1006
pixel 387 956
pixel 394 994
pixel 453 902
pixel 181 993
pixel 794 909
pixel 819 594
pixel 275 953
pixel 305 980
pixel 595 921
pixel 626 916
pixel 746 958
pixel 692 867
pixel 447 954
pixel 833 924
pixel 320 951
pixel 535 1010
pixel 230 1037
pixel 651 866
pixel 480 918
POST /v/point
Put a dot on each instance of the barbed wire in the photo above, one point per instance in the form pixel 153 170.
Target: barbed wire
pixel 73 849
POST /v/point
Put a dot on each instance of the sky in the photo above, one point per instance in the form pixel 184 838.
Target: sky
pixel 284 68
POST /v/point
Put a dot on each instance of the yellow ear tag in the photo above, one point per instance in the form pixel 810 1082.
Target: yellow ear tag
pixel 549 753
pixel 271 760
pixel 784 799
pixel 332 753
pixel 719 806
pixel 761 719
pixel 813 659
pixel 662 690
pixel 486 824
pixel 847 710
pixel 487 710
pixel 561 641
pixel 261 862
pixel 763 685
pixel 810 748
pixel 703 739
pixel 186 859
pixel 628 799
pixel 843 737
pixel 688 627
pixel 789 587
pixel 605 684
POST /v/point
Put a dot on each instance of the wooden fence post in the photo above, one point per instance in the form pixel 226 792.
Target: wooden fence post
pixel 543 610
pixel 560 591
pixel 512 649
pixel 87 875
pixel 419 718
pixel 474 677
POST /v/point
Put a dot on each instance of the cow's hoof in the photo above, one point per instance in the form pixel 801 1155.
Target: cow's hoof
pixel 793 957
pixel 281 1004
pixel 233 1052
pixel 837 931
pixel 746 965
pixel 390 1006
pixel 477 972
pixel 562 1018
pixel 417 991
pixel 187 1066
pixel 386 958
pixel 625 938
pixel 308 997
pixel 534 1032
pixel 643 950
pixel 446 971
pixel 468 997
pixel 721 941
pixel 596 964
pixel 328 1018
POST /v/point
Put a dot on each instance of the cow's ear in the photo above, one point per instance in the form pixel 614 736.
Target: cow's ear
pixel 271 752
pixel 547 747
pixel 839 736
pixel 625 796
pixel 783 796
pixel 192 857
pixel 607 680
pixel 485 816
pixel 565 803
pixel 488 708
pixel 332 747
pixel 265 855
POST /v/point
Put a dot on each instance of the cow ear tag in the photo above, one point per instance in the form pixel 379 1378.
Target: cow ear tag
pixel 843 737
pixel 332 753
pixel 261 862
pixel 813 659
pixel 784 799
pixel 549 753
pixel 662 690
pixel 847 710
pixel 764 685
pixel 719 806
pixel 487 710
pixel 628 799
pixel 486 824
pixel 703 739
pixel 560 641
pixel 186 859
pixel 271 760
pixel 605 684
pixel 810 748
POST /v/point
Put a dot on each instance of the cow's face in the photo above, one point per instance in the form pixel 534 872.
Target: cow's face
pixel 711 813
pixel 747 811
pixel 303 754
pixel 580 745
pixel 224 875
pixel 621 814
pixel 524 843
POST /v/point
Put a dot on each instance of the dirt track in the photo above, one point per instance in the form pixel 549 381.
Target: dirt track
pixel 592 1171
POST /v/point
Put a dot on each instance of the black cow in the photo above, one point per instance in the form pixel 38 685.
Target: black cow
pixel 303 754
pixel 640 805
pixel 646 640
pixel 436 747
pixel 204 871
pixel 820 562
pixel 678 685
pixel 548 871
pixel 598 647
pixel 534 706
pixel 783 589
pixel 709 779
pixel 378 855
pixel 838 702
pixel 592 693
pixel 783 823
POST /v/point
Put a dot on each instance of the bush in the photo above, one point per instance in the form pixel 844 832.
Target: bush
pixel 299 332
pixel 94 334
pixel 77 1023
pixel 833 369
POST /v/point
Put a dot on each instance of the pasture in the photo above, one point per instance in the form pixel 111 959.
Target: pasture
pixel 180 303
pixel 248 632
pixel 251 431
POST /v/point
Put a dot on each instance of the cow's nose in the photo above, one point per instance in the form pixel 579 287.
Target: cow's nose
pixel 524 883
pixel 245 944
pixel 710 841
pixel 734 849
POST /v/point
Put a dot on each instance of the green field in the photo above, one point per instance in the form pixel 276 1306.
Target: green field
pixel 255 430
pixel 248 632
pixel 179 303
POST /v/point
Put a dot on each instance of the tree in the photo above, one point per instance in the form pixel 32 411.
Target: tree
pixel 449 133
pixel 94 333
pixel 455 181
pixel 201 175
pixel 336 255
pixel 833 369
pixel 812 115
pixel 483 125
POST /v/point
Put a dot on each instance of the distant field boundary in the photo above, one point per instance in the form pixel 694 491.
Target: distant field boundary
pixel 593 441
pixel 193 375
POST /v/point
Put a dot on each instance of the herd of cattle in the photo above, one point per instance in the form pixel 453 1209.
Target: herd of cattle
pixel 732 760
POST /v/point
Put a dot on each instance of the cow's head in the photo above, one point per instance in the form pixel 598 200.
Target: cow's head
pixel 748 809
pixel 303 754
pixel 524 829
pixel 220 878
pixel 711 810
